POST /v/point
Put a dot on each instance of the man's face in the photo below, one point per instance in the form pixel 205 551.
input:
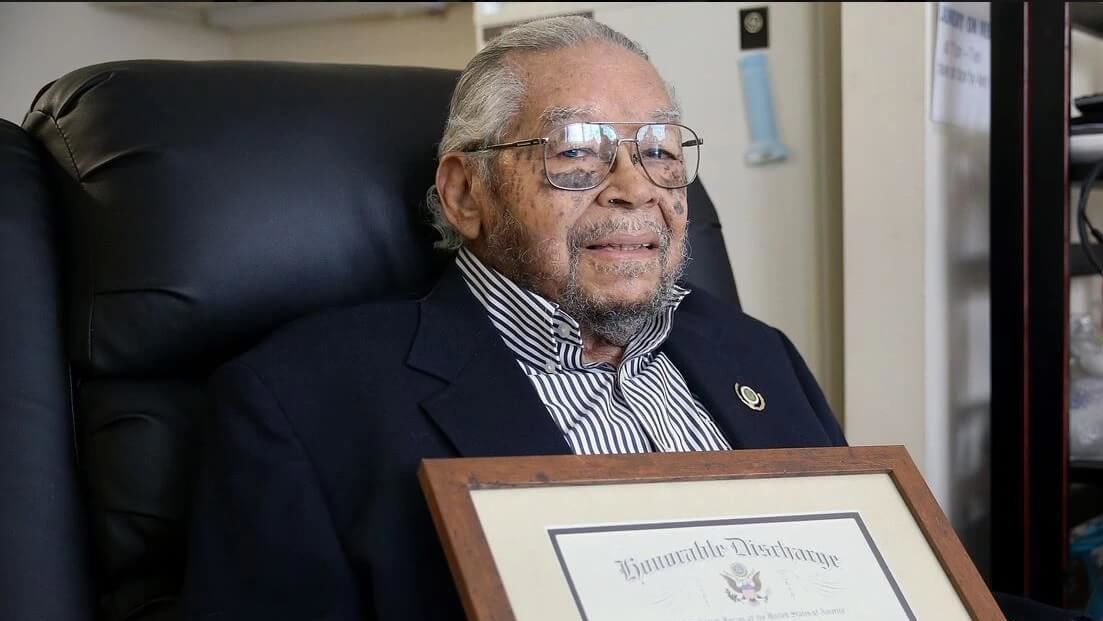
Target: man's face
pixel 608 250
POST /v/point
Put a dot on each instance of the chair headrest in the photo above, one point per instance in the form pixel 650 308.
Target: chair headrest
pixel 208 202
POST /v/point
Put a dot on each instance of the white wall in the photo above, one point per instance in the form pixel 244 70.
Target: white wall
pixel 915 229
pixel 40 42
pixel 958 315
pixel 883 189
pixel 447 40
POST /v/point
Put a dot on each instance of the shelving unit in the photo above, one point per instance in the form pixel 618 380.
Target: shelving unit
pixel 1079 265
pixel 1030 271
pixel 1086 471
pixel 1087 16
pixel 1038 492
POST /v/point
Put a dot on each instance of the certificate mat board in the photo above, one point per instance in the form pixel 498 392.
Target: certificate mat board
pixel 841 533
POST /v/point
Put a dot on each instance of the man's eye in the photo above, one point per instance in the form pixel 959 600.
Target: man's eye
pixel 576 153
pixel 658 154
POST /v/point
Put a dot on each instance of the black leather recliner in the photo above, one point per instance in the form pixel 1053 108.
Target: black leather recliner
pixel 157 218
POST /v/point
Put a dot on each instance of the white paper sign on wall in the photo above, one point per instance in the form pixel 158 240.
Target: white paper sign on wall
pixel 962 65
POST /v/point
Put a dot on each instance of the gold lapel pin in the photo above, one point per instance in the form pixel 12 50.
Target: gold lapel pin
pixel 750 397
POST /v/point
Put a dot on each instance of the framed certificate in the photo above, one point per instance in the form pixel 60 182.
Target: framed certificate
pixel 749 535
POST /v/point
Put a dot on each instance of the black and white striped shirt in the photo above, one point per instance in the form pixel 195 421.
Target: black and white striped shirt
pixel 641 406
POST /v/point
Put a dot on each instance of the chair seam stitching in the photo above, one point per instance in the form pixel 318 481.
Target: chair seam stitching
pixel 68 145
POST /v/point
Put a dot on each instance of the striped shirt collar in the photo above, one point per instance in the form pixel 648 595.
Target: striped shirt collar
pixel 545 338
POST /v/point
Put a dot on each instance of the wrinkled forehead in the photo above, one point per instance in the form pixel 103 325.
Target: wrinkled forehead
pixel 557 116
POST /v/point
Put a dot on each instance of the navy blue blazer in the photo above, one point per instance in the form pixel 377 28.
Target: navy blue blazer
pixel 308 505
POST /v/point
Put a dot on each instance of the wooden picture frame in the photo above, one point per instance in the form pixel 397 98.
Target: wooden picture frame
pixel 501 521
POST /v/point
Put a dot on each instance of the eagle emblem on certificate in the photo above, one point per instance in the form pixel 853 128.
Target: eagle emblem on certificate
pixel 744 585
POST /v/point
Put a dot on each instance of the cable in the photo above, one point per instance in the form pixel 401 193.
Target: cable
pixel 1083 224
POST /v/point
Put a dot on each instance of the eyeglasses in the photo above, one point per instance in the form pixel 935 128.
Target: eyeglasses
pixel 579 156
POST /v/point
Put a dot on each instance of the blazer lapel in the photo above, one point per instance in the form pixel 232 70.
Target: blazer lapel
pixel 712 364
pixel 488 407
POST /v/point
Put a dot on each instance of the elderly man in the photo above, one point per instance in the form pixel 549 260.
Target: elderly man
pixel 561 328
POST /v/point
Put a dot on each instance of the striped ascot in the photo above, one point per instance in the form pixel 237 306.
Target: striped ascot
pixel 640 406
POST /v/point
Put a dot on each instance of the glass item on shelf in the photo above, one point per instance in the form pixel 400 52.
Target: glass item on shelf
pixel 1086 345
pixel 1085 389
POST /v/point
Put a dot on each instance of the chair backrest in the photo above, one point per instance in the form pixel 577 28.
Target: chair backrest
pixel 43 560
pixel 180 211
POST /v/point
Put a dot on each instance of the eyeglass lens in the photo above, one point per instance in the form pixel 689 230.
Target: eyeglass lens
pixel 579 156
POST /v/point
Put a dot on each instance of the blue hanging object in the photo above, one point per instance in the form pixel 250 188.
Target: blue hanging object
pixel 1087 546
pixel 765 145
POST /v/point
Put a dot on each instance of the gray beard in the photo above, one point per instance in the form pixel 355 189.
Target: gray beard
pixel 516 255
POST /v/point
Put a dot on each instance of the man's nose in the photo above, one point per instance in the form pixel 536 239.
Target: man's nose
pixel 629 185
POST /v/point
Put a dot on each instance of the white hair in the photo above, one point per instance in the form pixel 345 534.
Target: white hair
pixel 490 93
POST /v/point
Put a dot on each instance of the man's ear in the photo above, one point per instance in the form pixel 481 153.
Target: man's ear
pixel 456 187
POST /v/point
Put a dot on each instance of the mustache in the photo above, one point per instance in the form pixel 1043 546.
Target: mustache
pixel 583 235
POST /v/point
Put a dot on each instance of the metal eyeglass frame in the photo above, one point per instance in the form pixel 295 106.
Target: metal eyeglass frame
pixel 531 142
